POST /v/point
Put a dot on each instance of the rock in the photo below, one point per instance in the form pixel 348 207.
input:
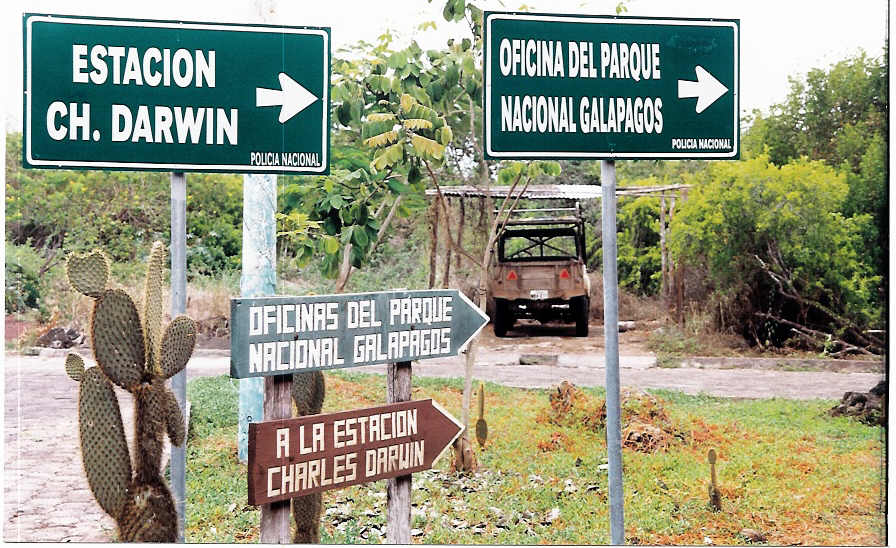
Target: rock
pixel 753 535
pixel 538 359
pixel 59 337
pixel 626 326
pixel 867 407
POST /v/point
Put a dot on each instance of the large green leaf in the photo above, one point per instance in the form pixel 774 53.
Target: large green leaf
pixel 427 148
pixel 359 237
pixel 331 244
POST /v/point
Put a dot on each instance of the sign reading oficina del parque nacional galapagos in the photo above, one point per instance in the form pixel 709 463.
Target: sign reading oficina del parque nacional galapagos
pixel 574 86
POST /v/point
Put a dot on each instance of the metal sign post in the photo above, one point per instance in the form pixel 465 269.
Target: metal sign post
pixel 611 356
pixel 179 306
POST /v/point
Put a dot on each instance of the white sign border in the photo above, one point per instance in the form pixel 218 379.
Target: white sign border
pixel 607 155
pixel 31 19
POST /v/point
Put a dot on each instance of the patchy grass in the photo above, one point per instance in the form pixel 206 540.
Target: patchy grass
pixel 784 469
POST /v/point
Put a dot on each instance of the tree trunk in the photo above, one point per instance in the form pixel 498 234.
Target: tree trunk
pixel 447 268
pixel 664 283
pixel 460 232
pixel 434 243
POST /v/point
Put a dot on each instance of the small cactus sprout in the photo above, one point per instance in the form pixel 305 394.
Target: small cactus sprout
pixel 715 499
pixel 74 366
pixel 481 426
pixel 137 355
pixel 308 394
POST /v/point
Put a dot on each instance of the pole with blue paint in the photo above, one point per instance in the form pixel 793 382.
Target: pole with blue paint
pixel 259 279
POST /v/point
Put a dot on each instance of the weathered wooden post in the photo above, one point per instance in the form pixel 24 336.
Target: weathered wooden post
pixel 398 490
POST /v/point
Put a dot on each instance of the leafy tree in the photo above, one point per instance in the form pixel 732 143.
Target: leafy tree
pixel 779 252
pixel 828 115
pixel 837 115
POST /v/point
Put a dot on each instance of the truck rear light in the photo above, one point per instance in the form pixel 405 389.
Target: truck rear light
pixel 564 274
pixel 511 275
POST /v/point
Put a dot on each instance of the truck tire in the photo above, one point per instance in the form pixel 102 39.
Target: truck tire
pixel 581 308
pixel 503 317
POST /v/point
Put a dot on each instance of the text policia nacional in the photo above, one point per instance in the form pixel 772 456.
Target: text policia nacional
pixel 557 59
pixel 430 335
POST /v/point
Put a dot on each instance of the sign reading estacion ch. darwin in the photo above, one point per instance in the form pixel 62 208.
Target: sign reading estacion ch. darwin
pixel 574 86
pixel 105 93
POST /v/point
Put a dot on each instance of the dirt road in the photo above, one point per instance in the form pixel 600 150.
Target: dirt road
pixel 47 499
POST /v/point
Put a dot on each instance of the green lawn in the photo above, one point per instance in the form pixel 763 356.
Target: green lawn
pixel 785 469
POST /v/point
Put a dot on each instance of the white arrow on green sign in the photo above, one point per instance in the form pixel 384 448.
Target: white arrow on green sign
pixel 575 86
pixel 284 335
pixel 105 93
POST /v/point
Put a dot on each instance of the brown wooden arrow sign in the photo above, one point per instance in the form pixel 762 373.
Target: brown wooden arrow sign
pixel 293 457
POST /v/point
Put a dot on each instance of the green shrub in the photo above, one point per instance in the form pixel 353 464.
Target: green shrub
pixel 775 244
pixel 23 285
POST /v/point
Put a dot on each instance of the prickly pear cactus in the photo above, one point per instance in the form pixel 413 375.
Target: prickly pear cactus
pixel 134 353
pixel 308 395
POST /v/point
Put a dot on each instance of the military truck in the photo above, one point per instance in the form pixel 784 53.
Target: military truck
pixel 538 270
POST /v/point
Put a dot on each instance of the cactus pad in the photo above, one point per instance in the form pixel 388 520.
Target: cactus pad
pixel 177 346
pixel 152 303
pixel 308 394
pixel 88 273
pixel 104 449
pixel 174 419
pixel 74 366
pixel 118 339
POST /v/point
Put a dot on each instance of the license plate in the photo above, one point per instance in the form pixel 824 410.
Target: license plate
pixel 538 294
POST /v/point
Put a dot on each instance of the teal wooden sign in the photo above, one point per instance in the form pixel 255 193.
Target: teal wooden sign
pixel 580 87
pixel 104 93
pixel 284 335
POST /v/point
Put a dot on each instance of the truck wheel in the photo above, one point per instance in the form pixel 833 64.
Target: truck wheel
pixel 503 317
pixel 580 309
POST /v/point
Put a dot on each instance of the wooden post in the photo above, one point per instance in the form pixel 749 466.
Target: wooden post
pixel 398 490
pixel 460 232
pixel 663 282
pixel 434 243
pixel 447 269
pixel 277 405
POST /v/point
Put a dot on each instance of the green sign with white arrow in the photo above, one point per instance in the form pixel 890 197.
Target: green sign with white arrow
pixel 579 87
pixel 105 93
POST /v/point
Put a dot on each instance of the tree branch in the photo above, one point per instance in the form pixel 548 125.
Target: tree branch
pixel 441 201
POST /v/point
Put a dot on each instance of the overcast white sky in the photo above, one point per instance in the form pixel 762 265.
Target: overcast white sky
pixel 778 37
